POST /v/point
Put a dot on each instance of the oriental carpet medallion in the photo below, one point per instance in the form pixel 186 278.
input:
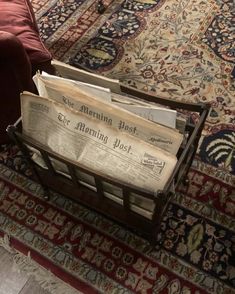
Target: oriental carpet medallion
pixel 183 50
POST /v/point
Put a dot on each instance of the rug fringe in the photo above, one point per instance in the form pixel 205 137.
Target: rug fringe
pixel 5 243
pixel 47 280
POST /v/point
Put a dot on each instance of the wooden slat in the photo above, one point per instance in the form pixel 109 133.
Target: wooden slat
pixel 126 198
pixel 73 175
pixel 99 186
pixel 48 162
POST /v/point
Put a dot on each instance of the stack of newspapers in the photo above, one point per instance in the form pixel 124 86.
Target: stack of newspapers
pixel 87 119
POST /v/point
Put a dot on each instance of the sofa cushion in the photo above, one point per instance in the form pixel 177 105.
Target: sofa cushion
pixel 17 17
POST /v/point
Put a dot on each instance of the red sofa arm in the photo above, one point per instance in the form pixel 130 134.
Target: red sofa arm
pixel 15 77
pixel 14 57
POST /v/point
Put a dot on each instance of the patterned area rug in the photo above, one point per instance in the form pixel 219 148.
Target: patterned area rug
pixel 180 50
pixel 96 255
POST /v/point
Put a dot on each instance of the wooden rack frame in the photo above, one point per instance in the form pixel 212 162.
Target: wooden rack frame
pixel 50 179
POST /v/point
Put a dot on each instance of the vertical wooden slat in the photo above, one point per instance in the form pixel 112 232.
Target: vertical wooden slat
pixel 126 198
pixel 99 186
pixel 48 162
pixel 73 175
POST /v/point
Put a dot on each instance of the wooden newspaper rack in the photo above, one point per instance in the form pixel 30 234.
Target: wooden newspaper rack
pixel 122 213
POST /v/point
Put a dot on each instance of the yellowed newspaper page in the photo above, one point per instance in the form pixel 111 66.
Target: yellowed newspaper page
pixel 122 120
pixel 71 72
pixel 101 93
pixel 95 145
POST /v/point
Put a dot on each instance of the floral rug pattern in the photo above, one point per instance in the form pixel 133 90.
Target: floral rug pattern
pixel 177 49
pixel 182 50
pixel 168 54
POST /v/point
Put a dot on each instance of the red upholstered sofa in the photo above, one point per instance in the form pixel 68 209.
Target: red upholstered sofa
pixel 22 53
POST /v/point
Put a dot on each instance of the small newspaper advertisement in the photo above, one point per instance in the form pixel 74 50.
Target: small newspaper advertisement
pixel 113 116
pixel 96 145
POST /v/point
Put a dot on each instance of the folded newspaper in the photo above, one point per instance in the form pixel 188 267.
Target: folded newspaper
pixel 70 72
pixel 73 96
pixel 95 144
